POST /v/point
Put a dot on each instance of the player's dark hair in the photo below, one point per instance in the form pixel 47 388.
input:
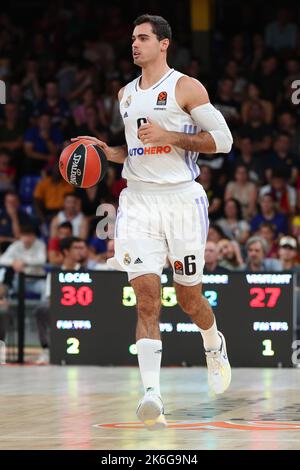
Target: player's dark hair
pixel 66 243
pixel 160 26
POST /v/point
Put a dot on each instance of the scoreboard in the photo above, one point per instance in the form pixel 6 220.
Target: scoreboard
pixel 93 319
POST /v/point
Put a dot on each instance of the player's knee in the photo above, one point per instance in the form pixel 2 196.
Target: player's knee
pixel 149 306
pixel 190 304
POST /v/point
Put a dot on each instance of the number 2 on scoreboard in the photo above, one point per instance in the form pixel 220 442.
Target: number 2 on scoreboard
pixel 73 346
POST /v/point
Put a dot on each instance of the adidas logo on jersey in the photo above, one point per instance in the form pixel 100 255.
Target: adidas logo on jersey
pixel 125 115
pixel 138 261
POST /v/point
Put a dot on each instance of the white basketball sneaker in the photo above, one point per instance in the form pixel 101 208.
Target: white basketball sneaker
pixel 218 367
pixel 150 411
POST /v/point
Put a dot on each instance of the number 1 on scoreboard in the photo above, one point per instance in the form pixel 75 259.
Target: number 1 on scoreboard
pixel 268 351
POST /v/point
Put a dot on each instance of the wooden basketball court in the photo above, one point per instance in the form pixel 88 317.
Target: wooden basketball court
pixel 74 407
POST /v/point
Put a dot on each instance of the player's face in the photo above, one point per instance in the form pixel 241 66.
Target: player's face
pixel 145 45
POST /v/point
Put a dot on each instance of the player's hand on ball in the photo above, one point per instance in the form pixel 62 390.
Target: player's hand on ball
pixel 93 140
pixel 152 133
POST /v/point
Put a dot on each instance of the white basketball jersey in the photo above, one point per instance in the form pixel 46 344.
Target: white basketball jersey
pixel 151 163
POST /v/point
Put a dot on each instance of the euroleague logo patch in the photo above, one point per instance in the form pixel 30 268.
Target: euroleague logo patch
pixel 178 267
pixel 162 98
pixel 212 425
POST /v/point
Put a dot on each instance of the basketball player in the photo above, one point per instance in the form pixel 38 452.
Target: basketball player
pixel 163 212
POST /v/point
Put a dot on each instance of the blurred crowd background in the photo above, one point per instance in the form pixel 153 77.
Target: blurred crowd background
pixel 63 64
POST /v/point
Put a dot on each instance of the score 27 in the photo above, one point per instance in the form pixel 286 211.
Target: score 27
pixel 264 297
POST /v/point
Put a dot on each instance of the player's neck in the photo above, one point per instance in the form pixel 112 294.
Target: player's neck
pixel 152 74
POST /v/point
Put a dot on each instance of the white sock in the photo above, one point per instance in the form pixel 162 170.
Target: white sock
pixel 149 357
pixel 211 339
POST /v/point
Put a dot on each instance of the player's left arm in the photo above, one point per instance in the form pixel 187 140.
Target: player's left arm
pixel 192 97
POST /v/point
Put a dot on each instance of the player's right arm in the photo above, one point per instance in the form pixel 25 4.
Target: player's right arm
pixel 113 154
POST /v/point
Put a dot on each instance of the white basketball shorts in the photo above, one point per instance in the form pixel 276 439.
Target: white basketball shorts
pixel 156 222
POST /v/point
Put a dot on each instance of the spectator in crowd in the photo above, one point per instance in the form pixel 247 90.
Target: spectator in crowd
pixel 238 50
pixel 27 255
pixel 268 77
pixel 114 185
pixel 226 103
pixel 248 159
pixel 230 256
pixel 97 245
pixel 211 260
pixel 71 212
pixel 24 107
pixel 79 81
pixel 215 233
pixel 232 224
pixel 87 260
pixel 49 195
pixel 7 174
pixel 89 100
pixel 11 218
pixel 12 130
pixel 256 128
pixel 213 192
pixel 233 71
pixel 30 84
pixel 71 255
pixel 112 111
pixel 282 33
pixel 54 106
pixel 258 52
pixel 285 196
pixel 288 252
pixel 253 97
pixel 283 158
pixel 64 230
pixel 92 125
pixel 41 143
pixel 287 124
pixel 257 249
pixel 267 231
pixel 242 190
pixel 269 214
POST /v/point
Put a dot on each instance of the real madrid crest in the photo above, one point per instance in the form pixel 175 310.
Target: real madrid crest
pixel 128 102
pixel 127 259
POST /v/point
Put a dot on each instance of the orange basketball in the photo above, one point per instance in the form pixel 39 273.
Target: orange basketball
pixel 83 163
